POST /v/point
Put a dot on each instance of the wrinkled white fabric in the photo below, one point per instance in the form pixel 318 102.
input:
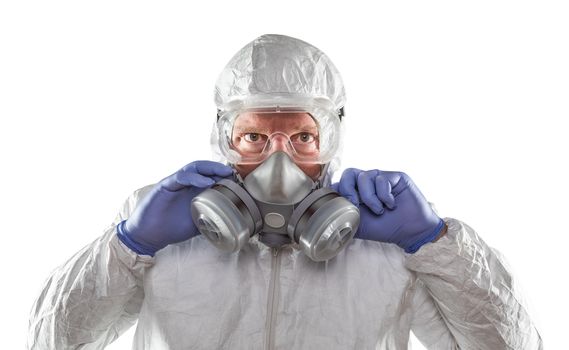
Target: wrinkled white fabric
pixel 454 293
pixel 278 66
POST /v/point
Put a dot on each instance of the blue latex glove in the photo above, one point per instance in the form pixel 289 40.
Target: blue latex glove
pixel 163 216
pixel 393 209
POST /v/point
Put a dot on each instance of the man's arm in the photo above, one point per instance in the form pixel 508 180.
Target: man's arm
pixel 473 291
pixel 94 297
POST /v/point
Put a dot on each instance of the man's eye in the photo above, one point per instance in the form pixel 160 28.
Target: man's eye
pixel 304 137
pixel 253 137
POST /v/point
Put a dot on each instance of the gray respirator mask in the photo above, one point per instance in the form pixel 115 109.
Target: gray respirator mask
pixel 281 204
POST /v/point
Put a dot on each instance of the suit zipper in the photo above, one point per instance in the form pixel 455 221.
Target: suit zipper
pixel 273 298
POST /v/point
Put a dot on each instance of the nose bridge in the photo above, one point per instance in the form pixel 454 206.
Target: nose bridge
pixel 279 141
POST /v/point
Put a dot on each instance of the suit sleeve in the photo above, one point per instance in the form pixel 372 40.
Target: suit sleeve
pixel 467 297
pixel 95 296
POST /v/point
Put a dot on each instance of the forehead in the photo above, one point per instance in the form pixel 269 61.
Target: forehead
pixel 269 122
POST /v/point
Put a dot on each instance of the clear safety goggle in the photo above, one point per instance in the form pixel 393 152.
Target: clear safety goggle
pixel 254 146
pixel 251 136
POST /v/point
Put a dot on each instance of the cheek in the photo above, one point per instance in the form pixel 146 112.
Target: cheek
pixel 312 170
pixel 245 169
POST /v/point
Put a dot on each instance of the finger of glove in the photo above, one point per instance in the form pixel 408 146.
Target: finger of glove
pixel 209 168
pixel 219 178
pixel 383 191
pixel 194 180
pixel 366 189
pixel 347 186
pixel 399 182
pixel 181 180
pixel 200 174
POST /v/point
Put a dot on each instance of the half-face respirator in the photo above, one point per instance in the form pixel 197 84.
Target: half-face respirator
pixel 281 204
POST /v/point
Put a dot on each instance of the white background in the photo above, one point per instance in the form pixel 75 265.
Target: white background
pixel 469 98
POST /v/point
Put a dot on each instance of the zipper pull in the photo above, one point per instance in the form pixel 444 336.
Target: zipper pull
pixel 275 252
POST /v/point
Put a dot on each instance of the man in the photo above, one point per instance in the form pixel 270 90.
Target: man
pixel 276 265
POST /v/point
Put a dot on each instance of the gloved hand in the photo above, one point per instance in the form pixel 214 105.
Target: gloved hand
pixel 393 210
pixel 163 217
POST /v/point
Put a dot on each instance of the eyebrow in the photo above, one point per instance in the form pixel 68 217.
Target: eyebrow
pixel 265 130
pixel 250 129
